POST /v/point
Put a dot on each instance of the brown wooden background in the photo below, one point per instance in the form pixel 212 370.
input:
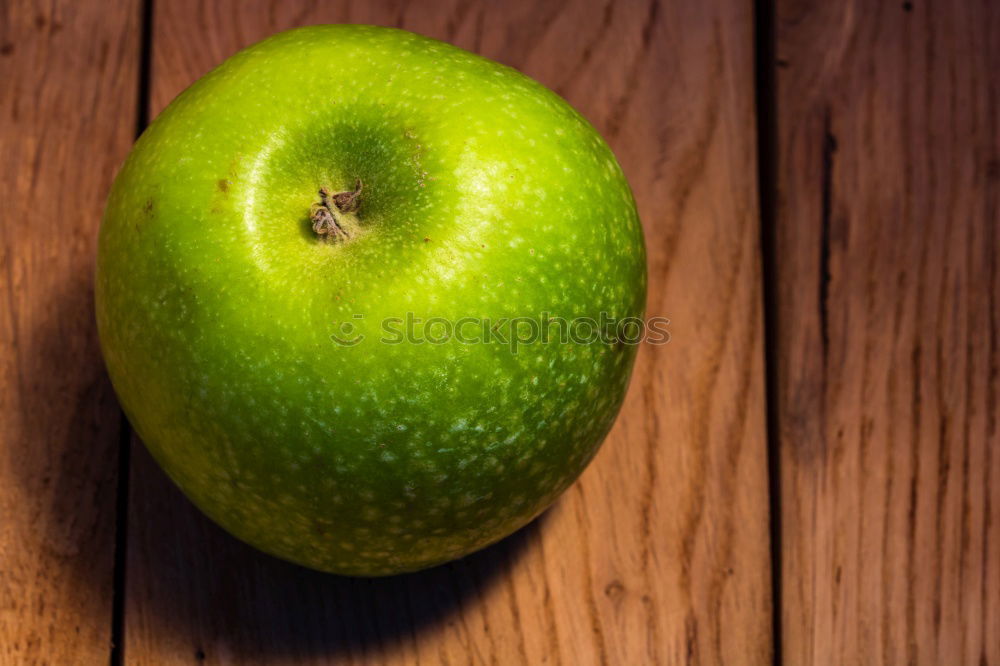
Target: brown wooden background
pixel 807 474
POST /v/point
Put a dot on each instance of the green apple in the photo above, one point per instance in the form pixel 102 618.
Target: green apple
pixel 273 248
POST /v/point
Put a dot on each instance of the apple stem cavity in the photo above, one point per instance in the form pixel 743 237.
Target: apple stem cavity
pixel 334 217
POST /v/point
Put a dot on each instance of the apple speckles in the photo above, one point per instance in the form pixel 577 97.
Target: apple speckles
pixel 443 448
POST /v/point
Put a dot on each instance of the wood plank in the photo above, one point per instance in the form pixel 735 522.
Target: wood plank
pixel 887 285
pixel 67 118
pixel 660 554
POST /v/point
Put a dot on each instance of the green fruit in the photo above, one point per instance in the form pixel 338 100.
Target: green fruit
pixel 223 279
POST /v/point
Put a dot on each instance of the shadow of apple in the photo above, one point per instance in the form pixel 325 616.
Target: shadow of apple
pixel 192 586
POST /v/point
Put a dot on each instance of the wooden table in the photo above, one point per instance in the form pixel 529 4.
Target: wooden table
pixel 807 474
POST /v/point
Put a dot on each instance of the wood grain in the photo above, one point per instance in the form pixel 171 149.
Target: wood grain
pixel 69 78
pixel 886 262
pixel 660 554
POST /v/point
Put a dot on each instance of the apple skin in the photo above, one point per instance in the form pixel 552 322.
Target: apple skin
pixel 484 195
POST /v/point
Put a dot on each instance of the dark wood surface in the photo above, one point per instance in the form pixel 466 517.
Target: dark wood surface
pixel 68 73
pixel 879 176
pixel 887 321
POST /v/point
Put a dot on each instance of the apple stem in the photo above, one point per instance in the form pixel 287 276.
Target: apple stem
pixel 335 217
